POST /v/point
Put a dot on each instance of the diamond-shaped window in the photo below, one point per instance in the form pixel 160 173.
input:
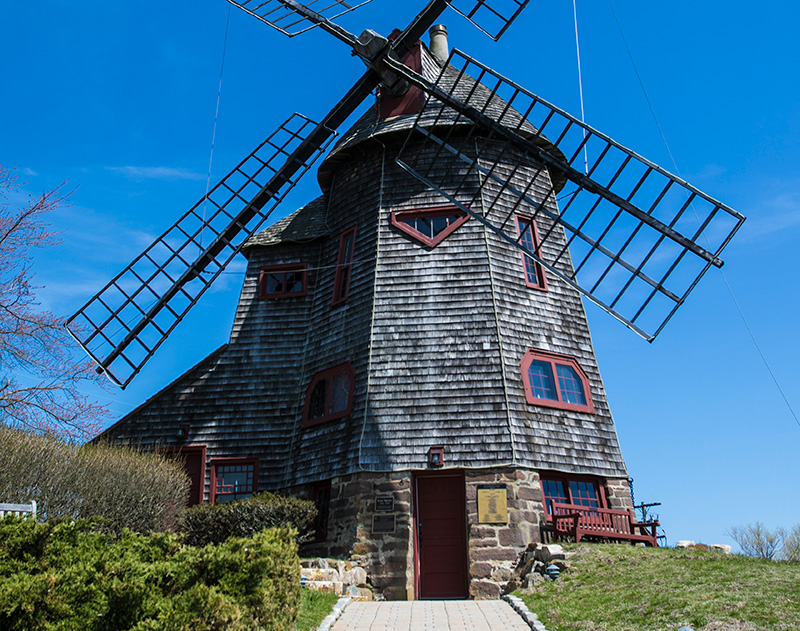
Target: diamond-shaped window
pixel 429 226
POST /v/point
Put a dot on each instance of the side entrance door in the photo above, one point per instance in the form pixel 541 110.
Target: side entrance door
pixel 441 532
pixel 193 461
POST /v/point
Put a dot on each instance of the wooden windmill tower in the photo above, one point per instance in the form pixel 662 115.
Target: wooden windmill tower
pixel 410 349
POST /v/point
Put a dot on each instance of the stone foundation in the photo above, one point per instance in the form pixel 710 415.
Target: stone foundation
pixel 495 550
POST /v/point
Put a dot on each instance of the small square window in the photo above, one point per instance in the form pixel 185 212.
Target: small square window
pixel 282 281
pixel 233 479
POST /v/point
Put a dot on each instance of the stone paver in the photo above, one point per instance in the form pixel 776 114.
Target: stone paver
pixel 427 615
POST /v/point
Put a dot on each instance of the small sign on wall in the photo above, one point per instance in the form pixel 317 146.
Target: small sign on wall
pixel 383 524
pixel 384 504
pixel 492 504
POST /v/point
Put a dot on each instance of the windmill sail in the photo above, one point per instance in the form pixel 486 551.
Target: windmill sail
pixel 292 18
pixel 133 314
pixel 493 17
pixel 639 238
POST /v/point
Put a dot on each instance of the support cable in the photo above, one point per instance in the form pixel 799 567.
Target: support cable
pixel 580 84
pixel 722 273
pixel 216 118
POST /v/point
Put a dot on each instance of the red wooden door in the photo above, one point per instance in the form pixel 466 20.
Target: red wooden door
pixel 193 461
pixel 441 527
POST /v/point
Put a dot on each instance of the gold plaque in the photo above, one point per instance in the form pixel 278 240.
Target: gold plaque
pixel 492 505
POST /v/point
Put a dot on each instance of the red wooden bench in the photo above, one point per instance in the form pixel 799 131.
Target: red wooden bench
pixel 576 522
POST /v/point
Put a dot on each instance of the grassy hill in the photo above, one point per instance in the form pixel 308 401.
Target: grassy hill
pixel 627 588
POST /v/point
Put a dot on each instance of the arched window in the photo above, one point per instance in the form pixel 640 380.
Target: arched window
pixel 329 395
pixel 555 381
pixel 429 226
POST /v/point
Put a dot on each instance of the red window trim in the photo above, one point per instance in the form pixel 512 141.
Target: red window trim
pixel 553 359
pixel 567 478
pixel 286 267
pixel 399 216
pixel 230 461
pixel 537 242
pixel 341 286
pixel 326 374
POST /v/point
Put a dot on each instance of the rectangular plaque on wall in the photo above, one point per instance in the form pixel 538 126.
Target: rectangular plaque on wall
pixel 383 524
pixel 492 504
pixel 384 504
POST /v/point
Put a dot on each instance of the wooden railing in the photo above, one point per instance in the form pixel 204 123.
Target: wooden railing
pixel 577 522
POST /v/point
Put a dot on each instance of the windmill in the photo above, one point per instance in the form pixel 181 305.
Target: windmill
pixel 583 211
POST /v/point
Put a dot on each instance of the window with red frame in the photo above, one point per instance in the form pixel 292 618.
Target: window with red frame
pixel 233 479
pixel 330 395
pixel 528 237
pixel 577 491
pixel 556 381
pixel 344 266
pixel 282 281
pixel 429 226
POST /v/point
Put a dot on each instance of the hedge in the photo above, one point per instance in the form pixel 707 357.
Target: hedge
pixel 126 487
pixel 65 576
pixel 208 523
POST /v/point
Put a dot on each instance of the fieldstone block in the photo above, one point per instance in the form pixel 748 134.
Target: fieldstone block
pixel 511 537
pixel 357 576
pixel 480 570
pixel 484 590
pixel 494 554
pixel 722 548
pixel 316 574
pixel 550 552
pixel 501 574
pixel 684 543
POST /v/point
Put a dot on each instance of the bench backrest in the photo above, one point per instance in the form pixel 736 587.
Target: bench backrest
pixel 18 509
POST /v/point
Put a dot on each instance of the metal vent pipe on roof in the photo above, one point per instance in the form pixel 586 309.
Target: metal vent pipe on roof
pixel 439 47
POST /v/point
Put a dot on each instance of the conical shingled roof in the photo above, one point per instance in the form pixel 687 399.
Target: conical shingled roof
pixel 303 225
pixel 460 85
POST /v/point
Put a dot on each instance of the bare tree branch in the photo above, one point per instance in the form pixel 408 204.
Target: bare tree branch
pixel 40 379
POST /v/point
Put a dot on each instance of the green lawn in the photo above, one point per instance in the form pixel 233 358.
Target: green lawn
pixel 314 606
pixel 627 588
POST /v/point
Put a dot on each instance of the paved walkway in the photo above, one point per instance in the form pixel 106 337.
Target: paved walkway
pixel 427 615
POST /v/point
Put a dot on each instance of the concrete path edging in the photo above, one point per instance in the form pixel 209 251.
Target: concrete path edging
pixel 528 616
pixel 332 617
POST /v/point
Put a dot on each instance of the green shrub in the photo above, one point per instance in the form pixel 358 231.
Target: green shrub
pixel 65 576
pixel 207 523
pixel 127 488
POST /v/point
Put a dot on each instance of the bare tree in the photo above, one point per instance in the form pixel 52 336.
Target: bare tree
pixel 40 378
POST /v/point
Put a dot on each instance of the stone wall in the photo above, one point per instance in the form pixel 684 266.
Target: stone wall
pixel 388 558
pixel 495 549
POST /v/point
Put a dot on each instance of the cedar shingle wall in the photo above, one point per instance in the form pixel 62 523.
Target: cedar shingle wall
pixel 244 400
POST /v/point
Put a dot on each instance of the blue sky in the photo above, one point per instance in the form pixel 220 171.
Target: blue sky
pixel 119 99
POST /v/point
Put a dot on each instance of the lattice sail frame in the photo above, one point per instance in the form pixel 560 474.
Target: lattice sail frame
pixel 134 313
pixel 283 16
pixel 492 17
pixel 632 229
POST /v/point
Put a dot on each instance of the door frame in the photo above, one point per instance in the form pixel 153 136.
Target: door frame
pixel 447 473
pixel 178 450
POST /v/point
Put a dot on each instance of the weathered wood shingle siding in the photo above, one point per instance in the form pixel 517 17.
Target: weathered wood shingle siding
pixel 243 402
pixel 552 320
pixel 340 333
pixel 436 374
